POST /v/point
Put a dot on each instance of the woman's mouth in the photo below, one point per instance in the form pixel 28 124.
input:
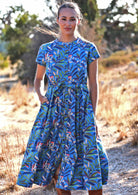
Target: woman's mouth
pixel 67 29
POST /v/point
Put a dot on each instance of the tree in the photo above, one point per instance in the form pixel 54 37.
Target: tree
pixel 119 32
pixel 18 36
pixel 89 9
pixel 26 71
pixel 23 39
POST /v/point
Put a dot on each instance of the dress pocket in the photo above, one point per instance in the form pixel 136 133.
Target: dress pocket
pixel 45 103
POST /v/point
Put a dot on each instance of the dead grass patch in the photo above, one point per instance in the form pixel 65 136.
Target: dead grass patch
pixel 20 95
pixel 118 106
pixel 134 55
pixel 119 58
pixel 115 60
pixel 12 145
pixel 131 75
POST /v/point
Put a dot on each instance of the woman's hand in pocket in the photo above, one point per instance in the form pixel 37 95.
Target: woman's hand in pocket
pixel 43 99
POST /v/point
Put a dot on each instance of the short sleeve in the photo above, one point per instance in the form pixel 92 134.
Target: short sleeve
pixel 93 53
pixel 40 59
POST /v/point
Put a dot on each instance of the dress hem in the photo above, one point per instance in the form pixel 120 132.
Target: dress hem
pixel 43 185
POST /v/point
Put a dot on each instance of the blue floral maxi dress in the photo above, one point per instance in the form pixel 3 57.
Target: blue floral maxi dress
pixel 64 130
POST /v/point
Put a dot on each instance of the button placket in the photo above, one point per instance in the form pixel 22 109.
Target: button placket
pixel 69 64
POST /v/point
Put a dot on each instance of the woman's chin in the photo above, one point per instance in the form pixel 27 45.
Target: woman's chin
pixel 68 33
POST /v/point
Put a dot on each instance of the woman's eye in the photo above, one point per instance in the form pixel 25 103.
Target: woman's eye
pixel 63 19
pixel 73 19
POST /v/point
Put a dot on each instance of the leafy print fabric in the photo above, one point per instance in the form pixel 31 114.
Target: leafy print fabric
pixel 64 129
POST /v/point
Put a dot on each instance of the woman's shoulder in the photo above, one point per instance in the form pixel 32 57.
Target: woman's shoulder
pixel 86 43
pixel 48 45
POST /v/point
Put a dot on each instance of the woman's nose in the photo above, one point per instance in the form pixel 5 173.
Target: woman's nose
pixel 68 22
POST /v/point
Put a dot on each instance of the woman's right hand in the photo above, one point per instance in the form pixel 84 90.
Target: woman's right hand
pixel 43 99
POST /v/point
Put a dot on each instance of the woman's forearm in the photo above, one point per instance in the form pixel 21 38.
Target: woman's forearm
pixel 37 86
pixel 94 96
pixel 39 82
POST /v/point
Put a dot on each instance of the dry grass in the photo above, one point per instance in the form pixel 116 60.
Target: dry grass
pixel 118 105
pixel 13 145
pixel 20 110
pixel 19 94
pixel 120 58
pixel 21 97
pixel 10 149
pixel 115 60
pixel 134 55
pixel 131 75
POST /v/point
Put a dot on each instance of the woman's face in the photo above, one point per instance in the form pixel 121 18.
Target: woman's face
pixel 67 21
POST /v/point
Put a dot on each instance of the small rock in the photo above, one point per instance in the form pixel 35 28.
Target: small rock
pixel 132 66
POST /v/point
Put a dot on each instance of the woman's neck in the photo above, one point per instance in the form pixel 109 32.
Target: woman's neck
pixel 64 38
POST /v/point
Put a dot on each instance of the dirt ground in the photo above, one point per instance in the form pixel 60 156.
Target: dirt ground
pixel 123 157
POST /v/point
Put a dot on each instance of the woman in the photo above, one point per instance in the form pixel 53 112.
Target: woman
pixel 64 143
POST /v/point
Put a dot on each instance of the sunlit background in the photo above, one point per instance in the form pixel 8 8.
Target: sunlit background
pixel 39 6
pixel 113 28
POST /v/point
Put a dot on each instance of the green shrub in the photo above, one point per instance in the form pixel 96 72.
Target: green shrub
pixel 4 62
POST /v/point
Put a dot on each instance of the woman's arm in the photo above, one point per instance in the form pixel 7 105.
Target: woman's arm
pixel 39 77
pixel 93 83
pixel 93 87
